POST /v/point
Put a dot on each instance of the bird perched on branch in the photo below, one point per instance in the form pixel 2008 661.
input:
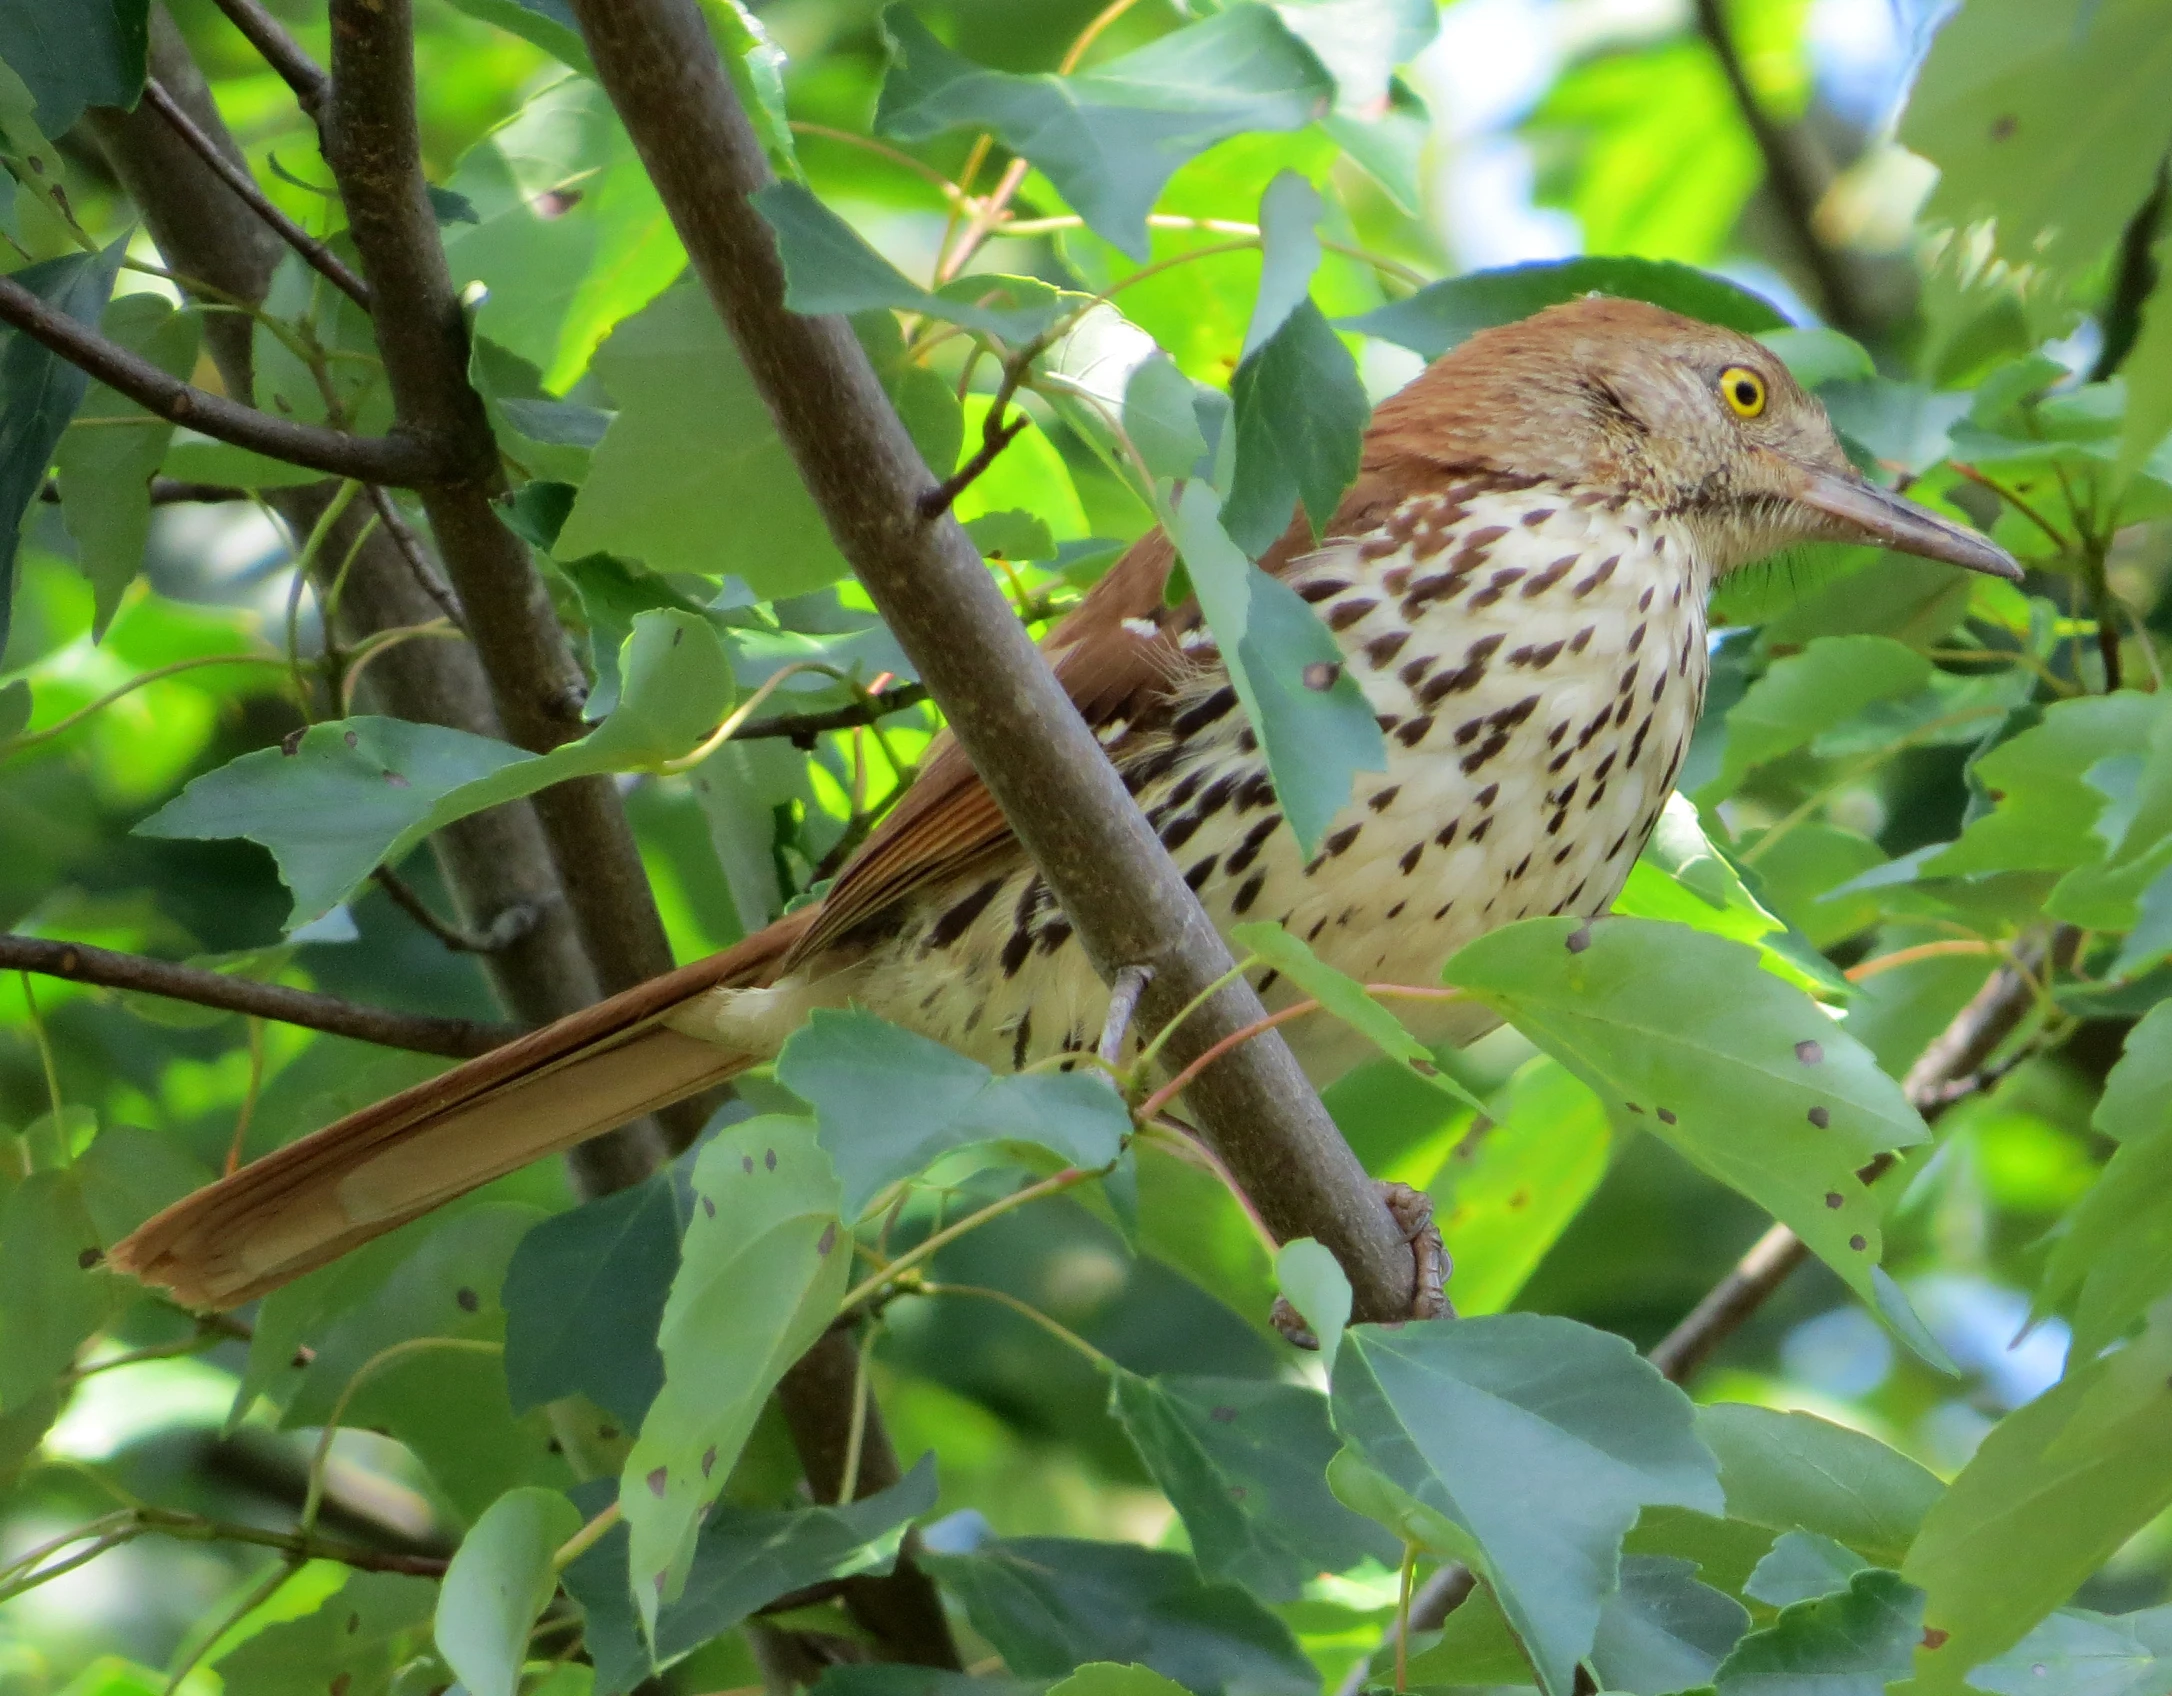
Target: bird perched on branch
pixel 1517 581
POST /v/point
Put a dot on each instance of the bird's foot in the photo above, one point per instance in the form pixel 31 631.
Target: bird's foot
pixel 1413 1213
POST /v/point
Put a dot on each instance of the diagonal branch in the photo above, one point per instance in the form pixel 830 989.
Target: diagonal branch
pixel 78 962
pixel 236 177
pixel 399 458
pixel 1070 810
pixel 281 51
pixel 1794 188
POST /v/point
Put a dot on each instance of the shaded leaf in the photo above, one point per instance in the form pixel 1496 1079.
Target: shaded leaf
pixel 1245 1464
pixel 1684 1035
pixel 39 390
pixel 1801 1567
pixel 1050 1604
pixel 1300 420
pixel 889 1103
pixel 763 1265
pixel 1826 684
pixel 1540 1441
pixel 1440 315
pixel 360 1633
pixel 1662 1631
pixel 584 1295
pixel 1313 1282
pixel 85 53
pixel 1851 1643
pixel 57 1295
pixel 1793 1471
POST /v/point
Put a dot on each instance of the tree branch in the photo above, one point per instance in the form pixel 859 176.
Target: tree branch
pixel 399 458
pixel 1794 190
pixel 372 145
pixel 236 177
pixel 1109 872
pixel 282 52
pixel 1956 1055
pixel 457 1039
pixel 804 726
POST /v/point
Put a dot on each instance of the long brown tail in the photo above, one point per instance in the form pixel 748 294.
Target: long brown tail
pixel 333 1190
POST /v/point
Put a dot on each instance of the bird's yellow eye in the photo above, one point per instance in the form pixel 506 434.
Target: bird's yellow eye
pixel 1743 390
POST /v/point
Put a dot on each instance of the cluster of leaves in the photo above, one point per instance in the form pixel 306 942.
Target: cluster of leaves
pixel 1168 310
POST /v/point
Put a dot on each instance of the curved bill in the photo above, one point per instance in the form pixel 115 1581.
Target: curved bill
pixel 1880 516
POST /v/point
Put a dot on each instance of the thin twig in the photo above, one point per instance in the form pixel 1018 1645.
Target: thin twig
pixel 1124 992
pixel 502 932
pixel 804 727
pixel 320 258
pixel 418 559
pixel 1793 190
pixel 398 458
pixel 165 491
pixel 421 1033
pixel 281 51
pixel 995 436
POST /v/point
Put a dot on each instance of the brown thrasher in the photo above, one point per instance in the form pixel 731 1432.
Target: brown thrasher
pixel 1517 581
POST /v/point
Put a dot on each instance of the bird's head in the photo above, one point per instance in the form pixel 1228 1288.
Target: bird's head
pixel 1688 418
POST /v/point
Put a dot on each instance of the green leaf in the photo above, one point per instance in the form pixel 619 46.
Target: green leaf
pixel 57 1295
pixel 1686 1036
pixel 1109 138
pixel 1797 1472
pixel 1802 1566
pixel 2148 372
pixel 2045 811
pixel 1050 1604
pixel 1440 315
pixel 446 1404
pixel 105 470
pixel 692 476
pixel 1312 1281
pixel 39 390
pixel 2079 1653
pixel 2111 1256
pixel 1505 1198
pixel 1362 42
pixel 584 1295
pixel 1344 997
pixel 764 1263
pixel 2056 1486
pixel 1012 534
pixel 1662 1631
pixel 357 793
pixel 1279 653
pixel 1160 414
pixel 1245 1464
pixel 1540 1440
pixel 550 24
pixel 2046 115
pixel 359 1634
pixel 87 53
pixel 1300 422
pixel 1106 1678
pixel 498 1585
pixel 1817 357
pixel 1852 1643
pixel 743 1560
pixel 129 1173
pixel 1289 215
pixel 889 1103
pixel 569 236
pixel 1475 1647
pixel 1828 683
pixel 828 267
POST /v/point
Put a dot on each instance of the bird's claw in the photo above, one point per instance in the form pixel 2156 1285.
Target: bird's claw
pixel 1413 1213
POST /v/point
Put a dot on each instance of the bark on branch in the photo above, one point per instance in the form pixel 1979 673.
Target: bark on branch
pixel 399 459
pixel 1109 872
pixel 457 1039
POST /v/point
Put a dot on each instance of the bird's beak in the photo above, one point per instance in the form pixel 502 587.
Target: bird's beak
pixel 1880 516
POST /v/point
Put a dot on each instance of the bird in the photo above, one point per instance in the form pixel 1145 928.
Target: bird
pixel 1517 580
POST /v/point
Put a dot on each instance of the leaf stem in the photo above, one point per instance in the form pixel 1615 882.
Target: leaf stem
pixel 61 726
pixel 1175 1086
pixel 848 1482
pixel 1152 1051
pixel 44 1041
pixel 1026 1310
pixel 585 1539
pixel 927 1247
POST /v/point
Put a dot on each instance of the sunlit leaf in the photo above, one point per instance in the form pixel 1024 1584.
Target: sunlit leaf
pixel 2079 1653
pixel 498 1585
pixel 1793 1471
pixel 763 1265
pixel 1682 1034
